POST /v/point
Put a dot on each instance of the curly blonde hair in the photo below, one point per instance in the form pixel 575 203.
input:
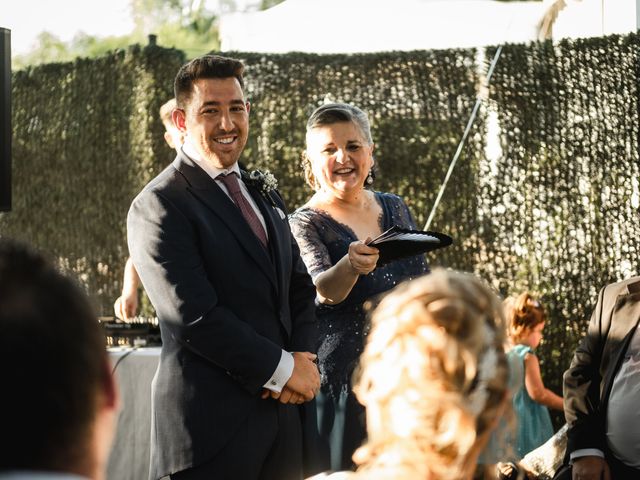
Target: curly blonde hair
pixel 523 313
pixel 418 374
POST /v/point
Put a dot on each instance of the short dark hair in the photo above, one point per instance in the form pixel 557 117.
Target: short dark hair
pixel 206 66
pixel 52 363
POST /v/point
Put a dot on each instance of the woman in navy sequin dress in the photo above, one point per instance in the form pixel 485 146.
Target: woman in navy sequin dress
pixel 331 230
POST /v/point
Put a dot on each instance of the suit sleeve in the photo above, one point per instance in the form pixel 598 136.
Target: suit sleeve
pixel 164 247
pixel 581 388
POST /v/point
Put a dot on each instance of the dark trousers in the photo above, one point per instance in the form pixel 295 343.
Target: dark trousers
pixel 620 471
pixel 268 446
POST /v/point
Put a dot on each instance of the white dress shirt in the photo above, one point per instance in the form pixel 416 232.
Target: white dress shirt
pixel 283 371
pixel 623 414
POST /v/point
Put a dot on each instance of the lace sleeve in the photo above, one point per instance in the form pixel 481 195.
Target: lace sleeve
pixel 313 250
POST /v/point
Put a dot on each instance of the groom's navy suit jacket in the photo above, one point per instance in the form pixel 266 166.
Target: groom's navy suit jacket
pixel 226 307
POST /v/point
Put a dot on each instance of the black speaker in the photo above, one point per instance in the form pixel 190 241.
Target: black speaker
pixel 5 119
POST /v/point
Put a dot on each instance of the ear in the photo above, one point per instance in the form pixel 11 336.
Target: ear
pixel 248 106
pixel 169 139
pixel 179 119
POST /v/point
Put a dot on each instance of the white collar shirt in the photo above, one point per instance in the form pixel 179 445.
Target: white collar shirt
pixel 189 150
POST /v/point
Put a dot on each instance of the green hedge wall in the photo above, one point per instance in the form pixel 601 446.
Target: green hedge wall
pixel 418 102
pixel 561 201
pixel 86 138
pixel 553 210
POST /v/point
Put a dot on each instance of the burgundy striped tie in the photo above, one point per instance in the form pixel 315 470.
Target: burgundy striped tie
pixel 233 186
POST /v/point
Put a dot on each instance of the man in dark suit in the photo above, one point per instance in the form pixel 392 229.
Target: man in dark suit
pixel 601 389
pixel 215 254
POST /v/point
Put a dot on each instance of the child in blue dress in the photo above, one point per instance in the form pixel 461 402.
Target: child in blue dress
pixel 526 319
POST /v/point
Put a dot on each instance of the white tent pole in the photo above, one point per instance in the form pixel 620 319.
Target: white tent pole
pixel 463 139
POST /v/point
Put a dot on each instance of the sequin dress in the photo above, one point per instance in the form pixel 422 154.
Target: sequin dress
pixel 323 241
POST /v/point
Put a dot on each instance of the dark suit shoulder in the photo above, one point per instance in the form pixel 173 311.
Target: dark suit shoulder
pixel 169 185
pixel 167 179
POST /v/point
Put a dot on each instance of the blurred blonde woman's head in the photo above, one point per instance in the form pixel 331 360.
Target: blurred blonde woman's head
pixel 432 376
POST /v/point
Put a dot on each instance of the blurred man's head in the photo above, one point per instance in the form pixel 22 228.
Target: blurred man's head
pixel 58 405
pixel 172 135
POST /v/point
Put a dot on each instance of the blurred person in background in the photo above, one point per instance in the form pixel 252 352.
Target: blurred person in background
pixel 601 389
pixel 126 305
pixel 526 319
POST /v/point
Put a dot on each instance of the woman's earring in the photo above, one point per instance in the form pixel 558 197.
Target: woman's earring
pixel 369 179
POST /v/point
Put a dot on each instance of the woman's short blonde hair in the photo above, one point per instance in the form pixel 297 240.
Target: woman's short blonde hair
pixel 428 392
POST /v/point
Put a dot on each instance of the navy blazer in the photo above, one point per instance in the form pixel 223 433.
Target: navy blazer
pixel 588 381
pixel 226 308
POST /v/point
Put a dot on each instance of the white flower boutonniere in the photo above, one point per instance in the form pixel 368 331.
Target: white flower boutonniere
pixel 264 182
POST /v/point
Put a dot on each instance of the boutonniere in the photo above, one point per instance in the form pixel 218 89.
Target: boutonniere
pixel 264 182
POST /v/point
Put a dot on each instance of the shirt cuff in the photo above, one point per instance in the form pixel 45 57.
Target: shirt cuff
pixel 282 373
pixel 586 452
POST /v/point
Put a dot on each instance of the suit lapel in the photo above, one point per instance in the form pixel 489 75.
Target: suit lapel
pixel 275 231
pixel 207 190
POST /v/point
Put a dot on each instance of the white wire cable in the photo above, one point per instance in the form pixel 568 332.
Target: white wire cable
pixel 472 118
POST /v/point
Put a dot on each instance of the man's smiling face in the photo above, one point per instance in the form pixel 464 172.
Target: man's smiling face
pixel 217 120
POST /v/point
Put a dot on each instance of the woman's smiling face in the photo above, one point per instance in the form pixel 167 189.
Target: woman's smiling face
pixel 341 158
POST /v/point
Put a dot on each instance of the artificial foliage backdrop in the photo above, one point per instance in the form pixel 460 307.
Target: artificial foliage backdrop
pixel 544 197
pixel 561 200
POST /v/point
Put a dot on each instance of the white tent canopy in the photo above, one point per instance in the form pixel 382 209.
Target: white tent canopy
pixel 346 26
pixel 349 26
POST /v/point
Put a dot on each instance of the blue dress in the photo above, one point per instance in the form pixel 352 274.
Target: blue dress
pixel 343 327
pixel 501 443
pixel 534 422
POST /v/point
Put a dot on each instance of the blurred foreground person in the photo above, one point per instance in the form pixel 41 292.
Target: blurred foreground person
pixel 432 378
pixel 59 404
